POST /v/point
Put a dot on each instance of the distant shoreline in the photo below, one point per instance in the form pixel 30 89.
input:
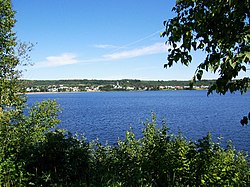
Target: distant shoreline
pixel 34 93
pixel 70 86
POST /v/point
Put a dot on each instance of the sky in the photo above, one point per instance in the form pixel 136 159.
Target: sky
pixel 98 39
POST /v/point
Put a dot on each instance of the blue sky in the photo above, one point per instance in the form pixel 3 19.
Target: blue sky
pixel 98 39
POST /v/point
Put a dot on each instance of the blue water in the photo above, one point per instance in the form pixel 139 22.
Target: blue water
pixel 107 115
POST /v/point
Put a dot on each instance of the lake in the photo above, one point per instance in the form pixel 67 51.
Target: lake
pixel 107 115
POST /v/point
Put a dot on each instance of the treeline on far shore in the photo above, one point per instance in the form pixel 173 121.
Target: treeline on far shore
pixel 110 85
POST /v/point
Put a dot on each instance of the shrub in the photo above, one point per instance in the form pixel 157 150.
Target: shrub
pixel 163 159
pixel 61 159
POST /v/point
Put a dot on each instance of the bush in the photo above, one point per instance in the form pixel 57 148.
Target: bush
pixel 162 159
pixel 37 154
pixel 18 132
pixel 62 159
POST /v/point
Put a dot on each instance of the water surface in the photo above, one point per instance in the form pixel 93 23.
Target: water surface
pixel 107 115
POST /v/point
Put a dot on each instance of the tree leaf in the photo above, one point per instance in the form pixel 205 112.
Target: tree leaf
pixel 199 74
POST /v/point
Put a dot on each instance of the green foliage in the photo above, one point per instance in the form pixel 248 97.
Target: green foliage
pixel 221 29
pixel 17 133
pixel 34 153
pixel 11 101
pixel 8 60
pixel 61 159
pixel 158 158
pixel 163 159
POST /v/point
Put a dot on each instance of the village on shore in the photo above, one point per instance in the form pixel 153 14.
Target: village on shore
pixel 110 85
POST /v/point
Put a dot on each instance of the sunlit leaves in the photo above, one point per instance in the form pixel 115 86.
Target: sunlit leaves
pixel 17 130
pixel 219 28
pixel 159 158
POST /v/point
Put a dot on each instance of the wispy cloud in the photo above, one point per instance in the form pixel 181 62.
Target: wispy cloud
pixel 155 48
pixel 143 51
pixel 60 60
pixel 105 46
pixel 70 58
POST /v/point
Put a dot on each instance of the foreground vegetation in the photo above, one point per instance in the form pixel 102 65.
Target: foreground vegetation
pixel 33 152
pixel 39 157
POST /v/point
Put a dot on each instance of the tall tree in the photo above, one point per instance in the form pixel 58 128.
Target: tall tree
pixel 18 130
pixel 8 58
pixel 219 28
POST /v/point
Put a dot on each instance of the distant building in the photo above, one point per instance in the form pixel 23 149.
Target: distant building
pixel 130 88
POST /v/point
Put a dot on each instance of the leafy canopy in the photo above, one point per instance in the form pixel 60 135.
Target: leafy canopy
pixel 8 58
pixel 219 28
pixel 20 127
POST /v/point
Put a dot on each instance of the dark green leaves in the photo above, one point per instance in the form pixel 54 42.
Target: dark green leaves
pixel 162 159
pixel 8 59
pixel 199 74
pixel 245 120
pixel 220 29
pixel 17 131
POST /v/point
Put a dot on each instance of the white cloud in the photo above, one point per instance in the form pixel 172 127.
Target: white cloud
pixel 105 46
pixel 155 48
pixel 148 50
pixel 70 58
pixel 60 60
